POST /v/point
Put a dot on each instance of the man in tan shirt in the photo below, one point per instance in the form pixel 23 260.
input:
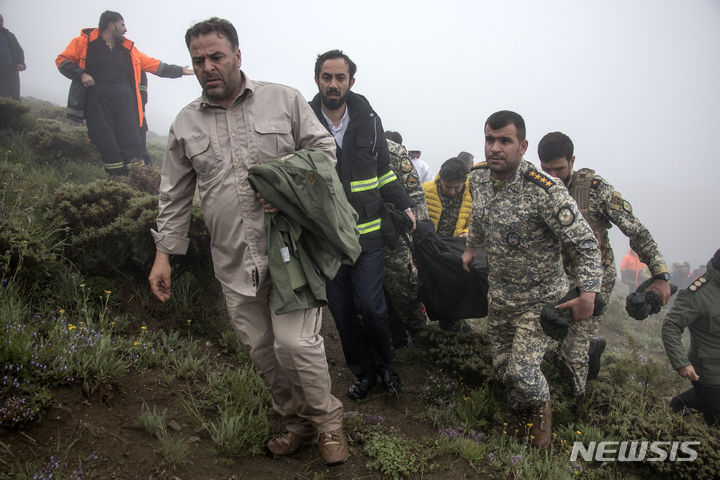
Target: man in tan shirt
pixel 235 124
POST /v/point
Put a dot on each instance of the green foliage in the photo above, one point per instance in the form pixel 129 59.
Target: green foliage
pixel 396 456
pixel 479 407
pixel 241 401
pixel 56 142
pixel 240 432
pixel 44 109
pixel 188 367
pixel 12 114
pixel 145 179
pixel 231 344
pixel 465 355
pixel 153 421
pixel 173 448
pixel 29 243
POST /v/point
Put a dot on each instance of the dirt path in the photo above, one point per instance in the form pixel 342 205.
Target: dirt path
pixel 99 434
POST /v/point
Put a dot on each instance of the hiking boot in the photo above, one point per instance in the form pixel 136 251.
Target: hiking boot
pixel 541 429
pixel 360 387
pixel 595 351
pixel 333 447
pixel 390 380
pixel 288 443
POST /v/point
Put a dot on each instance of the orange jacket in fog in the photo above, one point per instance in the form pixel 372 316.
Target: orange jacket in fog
pixel 71 63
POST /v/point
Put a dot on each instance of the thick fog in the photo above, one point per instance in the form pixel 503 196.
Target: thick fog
pixel 635 84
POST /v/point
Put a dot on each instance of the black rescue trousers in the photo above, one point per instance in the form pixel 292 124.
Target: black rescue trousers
pixel 705 398
pixel 357 303
pixel 112 122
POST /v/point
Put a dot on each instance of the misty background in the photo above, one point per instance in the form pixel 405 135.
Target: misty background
pixel 633 83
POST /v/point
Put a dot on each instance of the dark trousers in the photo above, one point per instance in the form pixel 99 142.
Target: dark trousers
pixel 704 398
pixel 10 82
pixel 112 122
pixel 357 303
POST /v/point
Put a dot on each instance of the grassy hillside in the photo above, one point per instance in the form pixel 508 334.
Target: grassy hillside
pixel 102 381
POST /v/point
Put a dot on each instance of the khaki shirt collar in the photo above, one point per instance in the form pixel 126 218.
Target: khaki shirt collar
pixel 248 88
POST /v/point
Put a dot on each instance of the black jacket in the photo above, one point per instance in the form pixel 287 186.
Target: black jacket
pixel 15 48
pixel 363 168
pixel 447 291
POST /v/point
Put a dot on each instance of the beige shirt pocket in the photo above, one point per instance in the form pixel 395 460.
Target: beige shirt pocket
pixel 274 138
pixel 206 162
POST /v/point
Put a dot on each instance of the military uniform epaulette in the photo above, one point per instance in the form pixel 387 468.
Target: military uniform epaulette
pixel 479 165
pixel 539 178
pixel 697 284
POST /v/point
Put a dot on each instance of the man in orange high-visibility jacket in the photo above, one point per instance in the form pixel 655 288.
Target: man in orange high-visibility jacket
pixel 105 69
pixel 631 270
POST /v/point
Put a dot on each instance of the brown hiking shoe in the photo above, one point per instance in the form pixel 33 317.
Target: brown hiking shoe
pixel 333 447
pixel 287 443
pixel 541 429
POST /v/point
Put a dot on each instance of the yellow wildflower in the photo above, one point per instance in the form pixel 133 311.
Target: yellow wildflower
pixel 143 327
pixel 135 344
pixel 578 432
pixel 71 327
pixel 107 292
pixel 61 311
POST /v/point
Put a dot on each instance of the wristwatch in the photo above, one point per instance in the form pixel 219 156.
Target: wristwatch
pixel 662 276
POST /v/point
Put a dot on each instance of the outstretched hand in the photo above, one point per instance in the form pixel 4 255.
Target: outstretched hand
pixel 188 71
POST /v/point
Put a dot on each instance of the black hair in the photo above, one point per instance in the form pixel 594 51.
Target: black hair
pixel 503 118
pixel 394 136
pixel 222 27
pixel 555 145
pixel 108 17
pixel 331 54
pixel 453 169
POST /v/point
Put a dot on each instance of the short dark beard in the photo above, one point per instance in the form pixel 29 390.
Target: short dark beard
pixel 333 104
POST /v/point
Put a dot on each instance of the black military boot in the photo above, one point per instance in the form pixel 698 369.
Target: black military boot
pixel 597 347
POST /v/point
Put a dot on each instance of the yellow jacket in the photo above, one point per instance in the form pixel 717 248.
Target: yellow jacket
pixel 432 198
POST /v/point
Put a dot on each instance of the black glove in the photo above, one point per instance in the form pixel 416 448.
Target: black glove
pixel 641 304
pixel 555 322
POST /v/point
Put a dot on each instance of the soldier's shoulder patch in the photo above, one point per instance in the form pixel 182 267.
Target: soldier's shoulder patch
pixel 479 165
pixel 596 182
pixel 412 181
pixel 566 216
pixel 619 203
pixel 539 178
pixel 406 165
pixel 698 284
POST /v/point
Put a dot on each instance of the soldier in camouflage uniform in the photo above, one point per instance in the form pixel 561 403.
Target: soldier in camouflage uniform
pixel 524 219
pixel 400 274
pixel 602 206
